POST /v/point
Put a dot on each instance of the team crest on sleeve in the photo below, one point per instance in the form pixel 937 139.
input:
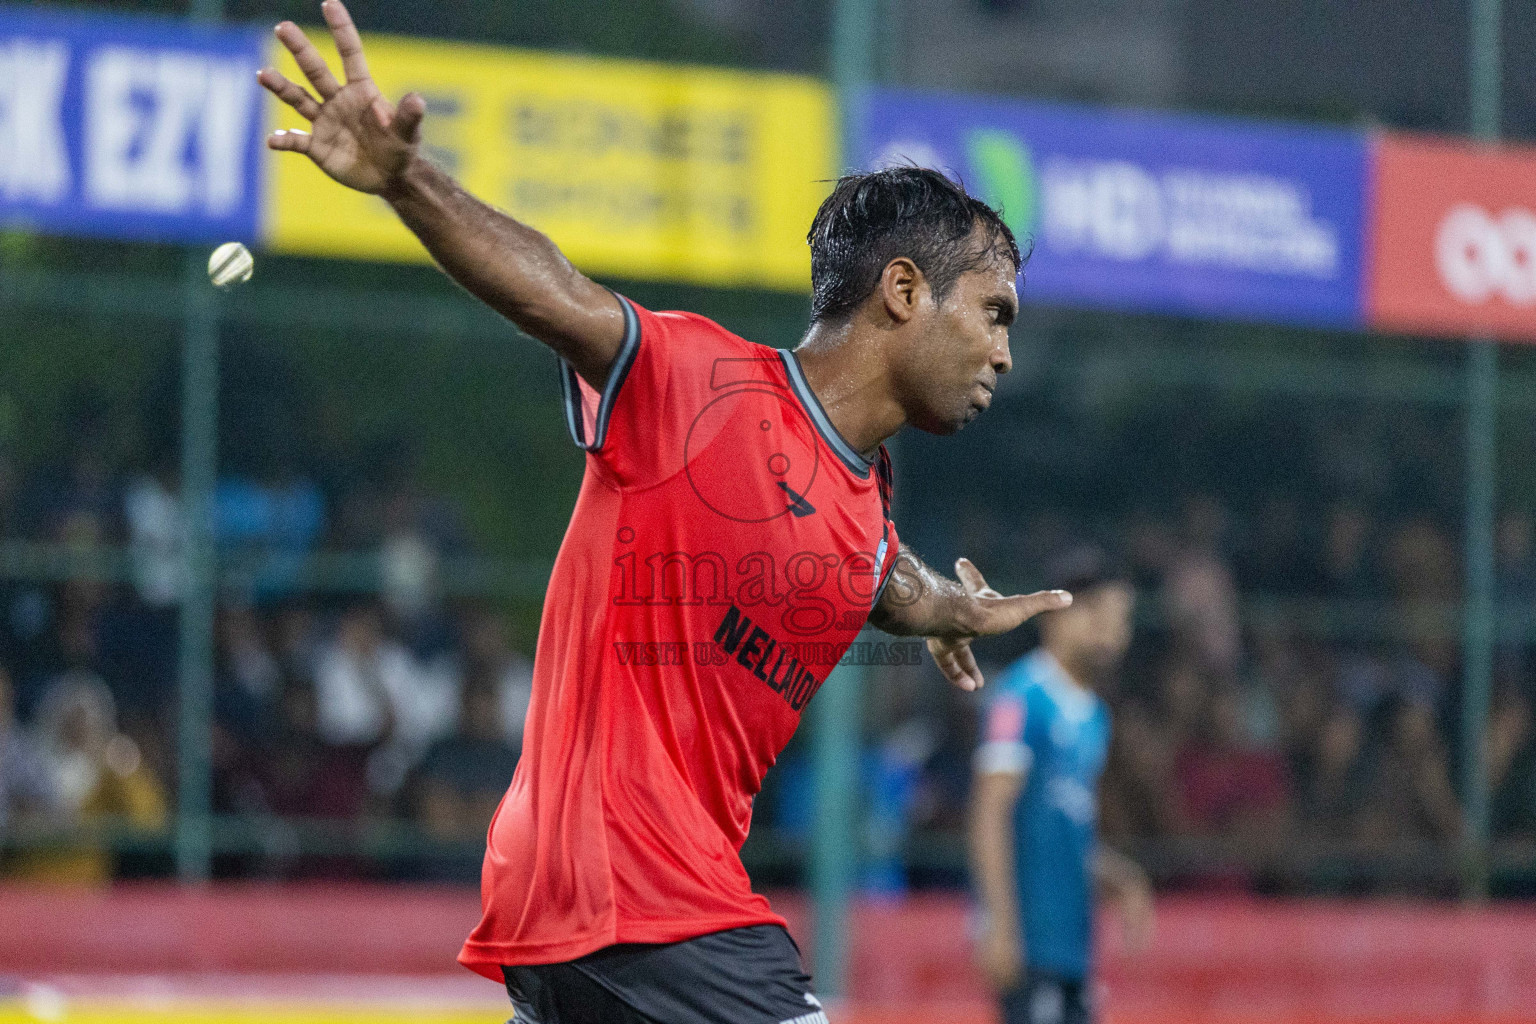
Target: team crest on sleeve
pixel 1005 723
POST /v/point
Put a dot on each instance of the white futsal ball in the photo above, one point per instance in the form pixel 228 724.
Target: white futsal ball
pixel 230 264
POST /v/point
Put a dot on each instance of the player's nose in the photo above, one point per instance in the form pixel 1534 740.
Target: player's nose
pixel 1002 358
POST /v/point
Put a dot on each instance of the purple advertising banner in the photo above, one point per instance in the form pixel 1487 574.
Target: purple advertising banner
pixel 127 127
pixel 1181 214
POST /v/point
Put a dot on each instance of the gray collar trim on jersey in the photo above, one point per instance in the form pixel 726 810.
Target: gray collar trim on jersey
pixel 571 389
pixel 844 451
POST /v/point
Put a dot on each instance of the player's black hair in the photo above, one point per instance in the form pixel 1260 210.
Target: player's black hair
pixel 871 219
pixel 1080 569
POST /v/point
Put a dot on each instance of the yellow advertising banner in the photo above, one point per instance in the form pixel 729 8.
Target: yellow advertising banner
pixel 636 170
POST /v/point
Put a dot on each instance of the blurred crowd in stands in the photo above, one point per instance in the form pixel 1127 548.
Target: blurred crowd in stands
pixel 391 705
pixel 1253 753
pixel 1307 755
pixel 1251 750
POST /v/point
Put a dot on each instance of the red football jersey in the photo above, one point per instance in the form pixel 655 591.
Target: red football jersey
pixel 726 548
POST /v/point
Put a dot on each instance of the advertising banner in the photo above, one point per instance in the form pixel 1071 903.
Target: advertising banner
pixel 634 169
pixel 152 129
pixel 1145 211
pixel 1453 240
pixel 131 128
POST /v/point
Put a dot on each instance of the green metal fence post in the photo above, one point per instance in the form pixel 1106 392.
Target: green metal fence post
pixel 199 472
pixel 836 843
pixel 1482 468
pixel 836 711
pixel 199 469
pixel 854 34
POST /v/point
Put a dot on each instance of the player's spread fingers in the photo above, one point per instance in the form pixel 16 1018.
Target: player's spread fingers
pixel 940 655
pixel 291 93
pixel 969 576
pixel 946 657
pixel 290 140
pixel 968 663
pixel 308 59
pixel 972 580
pixel 1043 601
pixel 348 43
pixel 407 123
pixel 954 675
pixel 383 112
pixel 1005 613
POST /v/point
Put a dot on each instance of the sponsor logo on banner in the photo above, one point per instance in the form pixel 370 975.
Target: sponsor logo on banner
pixel 151 129
pixel 165 131
pixel 634 169
pixel 1120 211
pixel 128 128
pixel 34 153
pixel 1150 211
pixel 1481 257
pixel 1454 240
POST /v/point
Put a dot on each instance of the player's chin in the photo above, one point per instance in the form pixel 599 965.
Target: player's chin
pixel 978 401
pixel 949 425
pixel 961 420
pixel 932 424
pixel 973 410
pixel 948 420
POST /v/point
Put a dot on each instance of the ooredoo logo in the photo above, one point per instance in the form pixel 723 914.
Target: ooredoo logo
pixel 1453 244
pixel 1480 255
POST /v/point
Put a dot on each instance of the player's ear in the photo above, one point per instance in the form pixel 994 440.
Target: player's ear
pixel 900 285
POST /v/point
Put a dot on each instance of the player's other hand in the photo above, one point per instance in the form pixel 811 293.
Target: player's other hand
pixel 988 614
pixel 1000 957
pixel 356 135
pixel 1138 918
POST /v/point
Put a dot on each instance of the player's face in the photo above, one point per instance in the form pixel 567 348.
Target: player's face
pixel 960 350
pixel 1095 632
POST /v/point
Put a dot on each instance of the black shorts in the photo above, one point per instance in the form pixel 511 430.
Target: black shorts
pixel 741 976
pixel 1047 999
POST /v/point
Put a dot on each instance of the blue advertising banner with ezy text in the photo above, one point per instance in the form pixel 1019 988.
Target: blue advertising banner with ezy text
pixel 1180 214
pixel 128 127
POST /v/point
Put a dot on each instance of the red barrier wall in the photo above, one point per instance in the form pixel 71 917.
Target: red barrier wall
pixel 257 928
pixel 1213 960
pixel 1239 960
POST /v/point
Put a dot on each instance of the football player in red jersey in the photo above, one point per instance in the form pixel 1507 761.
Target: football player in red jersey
pixel 731 538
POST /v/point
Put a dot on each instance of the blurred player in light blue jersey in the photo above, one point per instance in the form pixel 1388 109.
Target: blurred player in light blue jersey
pixel 1035 854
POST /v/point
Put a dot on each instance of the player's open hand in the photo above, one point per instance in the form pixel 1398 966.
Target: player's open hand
pixel 356 135
pixel 1000 956
pixel 1138 917
pixel 988 614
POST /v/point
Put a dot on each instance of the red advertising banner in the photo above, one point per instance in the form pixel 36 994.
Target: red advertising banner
pixel 1452 239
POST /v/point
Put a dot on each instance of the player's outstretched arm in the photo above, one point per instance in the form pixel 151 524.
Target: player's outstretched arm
pixel 919 601
pixel 367 143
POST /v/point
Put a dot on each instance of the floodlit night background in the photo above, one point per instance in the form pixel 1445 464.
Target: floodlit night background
pixel 1273 353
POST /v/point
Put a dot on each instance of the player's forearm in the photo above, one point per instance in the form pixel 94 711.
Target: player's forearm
pixel 920 601
pixel 512 268
pixel 991 854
